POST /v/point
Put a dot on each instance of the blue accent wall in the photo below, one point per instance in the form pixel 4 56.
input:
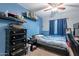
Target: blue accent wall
pixel 31 26
pixel 3 26
pixel 40 24
pixel 46 33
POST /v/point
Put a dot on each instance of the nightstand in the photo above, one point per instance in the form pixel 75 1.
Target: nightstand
pixel 33 43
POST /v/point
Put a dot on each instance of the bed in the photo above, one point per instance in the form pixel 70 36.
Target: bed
pixel 58 42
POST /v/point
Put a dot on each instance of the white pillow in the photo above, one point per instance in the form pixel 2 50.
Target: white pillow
pixel 38 36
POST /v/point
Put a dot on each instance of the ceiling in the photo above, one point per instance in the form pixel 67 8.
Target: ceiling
pixel 73 4
pixel 39 7
pixel 34 6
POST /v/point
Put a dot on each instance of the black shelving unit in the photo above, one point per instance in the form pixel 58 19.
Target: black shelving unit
pixel 16 42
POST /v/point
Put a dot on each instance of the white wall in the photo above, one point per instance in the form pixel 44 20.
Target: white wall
pixel 72 13
pixel 45 24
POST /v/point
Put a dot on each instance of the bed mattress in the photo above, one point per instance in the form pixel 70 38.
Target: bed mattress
pixel 52 41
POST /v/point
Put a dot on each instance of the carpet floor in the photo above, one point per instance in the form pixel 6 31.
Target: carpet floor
pixel 42 52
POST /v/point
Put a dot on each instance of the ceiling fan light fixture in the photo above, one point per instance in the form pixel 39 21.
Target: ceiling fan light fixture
pixel 54 9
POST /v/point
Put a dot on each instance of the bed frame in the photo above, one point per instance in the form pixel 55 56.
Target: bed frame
pixel 62 52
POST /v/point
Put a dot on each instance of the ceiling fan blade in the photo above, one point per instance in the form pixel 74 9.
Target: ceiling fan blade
pixel 55 4
pixel 62 7
pixel 47 9
pixel 41 8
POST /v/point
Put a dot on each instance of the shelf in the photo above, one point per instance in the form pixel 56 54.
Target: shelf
pixel 18 34
pixel 16 41
pixel 13 19
pixel 16 49
pixel 19 44
pixel 19 39
pixel 30 18
pixel 18 31
pixel 19 52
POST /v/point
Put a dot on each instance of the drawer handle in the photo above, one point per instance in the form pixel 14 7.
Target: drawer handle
pixel 14 43
pixel 14 37
pixel 13 31
pixel 12 54
pixel 13 48
pixel 24 44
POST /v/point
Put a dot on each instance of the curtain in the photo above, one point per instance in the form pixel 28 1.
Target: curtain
pixel 64 26
pixel 58 27
pixel 51 27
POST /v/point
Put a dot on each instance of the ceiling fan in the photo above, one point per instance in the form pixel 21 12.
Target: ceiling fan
pixel 59 6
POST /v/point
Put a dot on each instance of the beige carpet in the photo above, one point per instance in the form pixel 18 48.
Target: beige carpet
pixel 42 52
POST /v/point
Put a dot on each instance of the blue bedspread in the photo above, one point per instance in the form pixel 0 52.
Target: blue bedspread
pixel 57 41
pixel 57 38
